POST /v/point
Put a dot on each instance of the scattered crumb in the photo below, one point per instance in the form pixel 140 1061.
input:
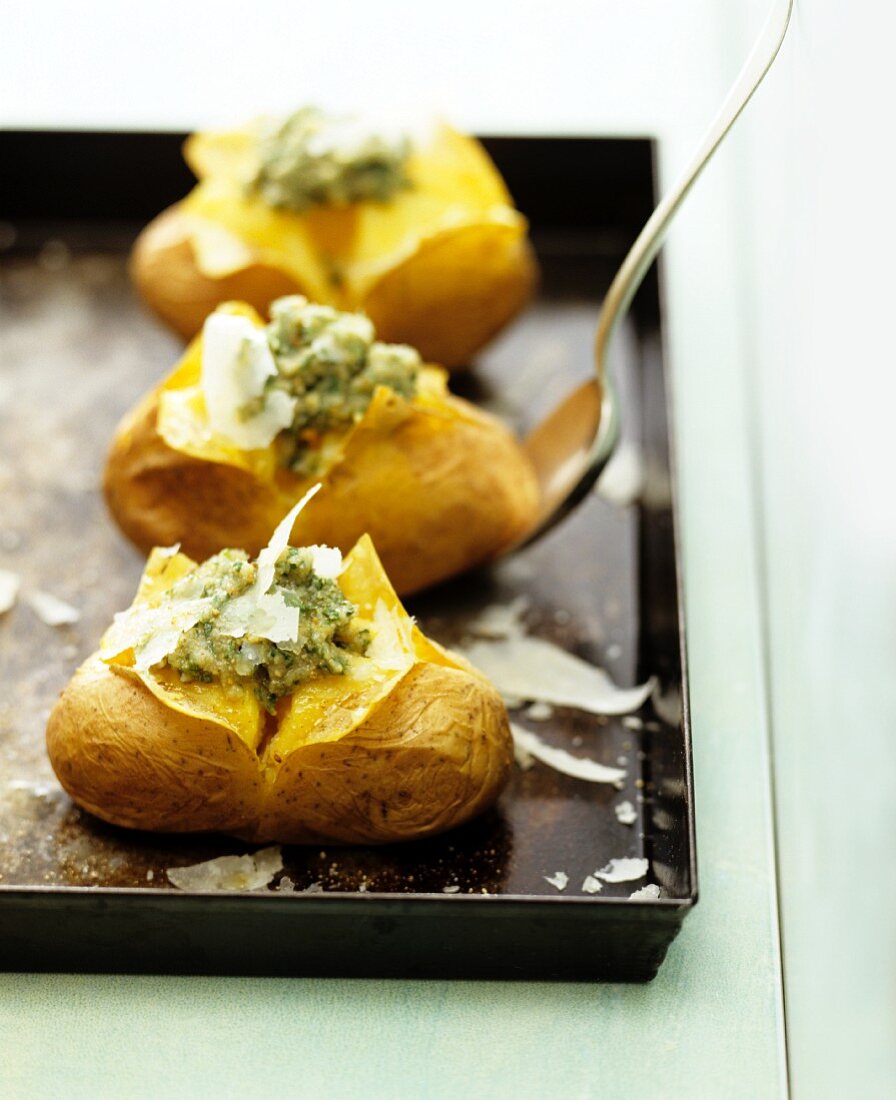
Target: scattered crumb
pixel 651 890
pixel 623 870
pixel 286 885
pixel 249 872
pixel 363 888
pixel 559 879
pixel 150 875
pixel 450 889
pixel 578 741
pixel 614 650
pixel 633 722
pixel 626 814
pixel 51 610
pixel 591 885
pixel 540 712
pixel 622 761
pixel 9 589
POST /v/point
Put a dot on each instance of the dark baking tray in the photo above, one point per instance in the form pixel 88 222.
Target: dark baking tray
pixel 76 350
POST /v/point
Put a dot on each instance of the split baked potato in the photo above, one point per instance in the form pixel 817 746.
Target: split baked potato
pixel 438 484
pixel 166 729
pixel 440 261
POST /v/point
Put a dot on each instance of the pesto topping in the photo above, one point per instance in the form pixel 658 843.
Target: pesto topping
pixel 328 633
pixel 315 159
pixel 329 364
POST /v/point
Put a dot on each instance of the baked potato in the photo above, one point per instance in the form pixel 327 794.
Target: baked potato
pixel 438 484
pixel 313 738
pixel 441 260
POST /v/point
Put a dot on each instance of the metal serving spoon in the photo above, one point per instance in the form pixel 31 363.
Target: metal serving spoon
pixel 573 444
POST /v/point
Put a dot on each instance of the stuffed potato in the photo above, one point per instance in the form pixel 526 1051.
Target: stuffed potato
pixel 254 415
pixel 420 233
pixel 286 699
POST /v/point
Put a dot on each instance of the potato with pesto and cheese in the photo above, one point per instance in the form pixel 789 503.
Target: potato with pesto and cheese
pixel 416 229
pixel 255 413
pixel 289 698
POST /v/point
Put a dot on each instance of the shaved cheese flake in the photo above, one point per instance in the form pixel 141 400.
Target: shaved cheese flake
pixel 537 670
pixel 626 814
pixel 650 891
pixel 623 870
pixel 558 879
pixel 152 632
pixel 249 872
pixel 326 561
pixel 562 761
pixel 499 620
pixel 52 610
pixel 257 612
pixel 10 583
pixel 591 885
pixel 236 366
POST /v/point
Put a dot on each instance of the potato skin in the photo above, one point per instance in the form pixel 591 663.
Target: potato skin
pixel 163 269
pixel 434 753
pixel 447 302
pixel 437 494
pixel 125 756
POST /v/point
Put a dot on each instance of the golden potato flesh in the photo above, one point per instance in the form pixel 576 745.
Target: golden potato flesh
pixel 439 485
pixel 408 744
pixel 442 265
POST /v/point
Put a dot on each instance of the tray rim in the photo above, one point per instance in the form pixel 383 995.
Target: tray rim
pixel 671 907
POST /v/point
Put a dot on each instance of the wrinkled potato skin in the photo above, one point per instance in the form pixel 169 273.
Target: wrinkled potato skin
pixel 130 760
pixel 437 496
pixel 163 269
pixel 439 302
pixel 434 753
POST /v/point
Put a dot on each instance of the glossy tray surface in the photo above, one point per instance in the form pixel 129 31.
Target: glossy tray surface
pixel 77 351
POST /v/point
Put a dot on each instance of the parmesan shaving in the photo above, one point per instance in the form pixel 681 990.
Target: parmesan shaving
pixel 236 365
pixel 558 879
pixel 562 761
pixel 392 646
pixel 650 891
pixel 52 610
pixel 536 670
pixel 10 583
pixel 152 632
pixel 249 872
pixel 626 814
pixel 500 620
pixel 256 611
pixel 591 885
pixel 623 870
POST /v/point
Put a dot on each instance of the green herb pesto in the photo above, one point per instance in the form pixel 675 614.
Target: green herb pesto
pixel 329 363
pixel 328 633
pixel 315 159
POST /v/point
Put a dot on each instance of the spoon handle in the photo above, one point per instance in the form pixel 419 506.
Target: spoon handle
pixel 643 252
